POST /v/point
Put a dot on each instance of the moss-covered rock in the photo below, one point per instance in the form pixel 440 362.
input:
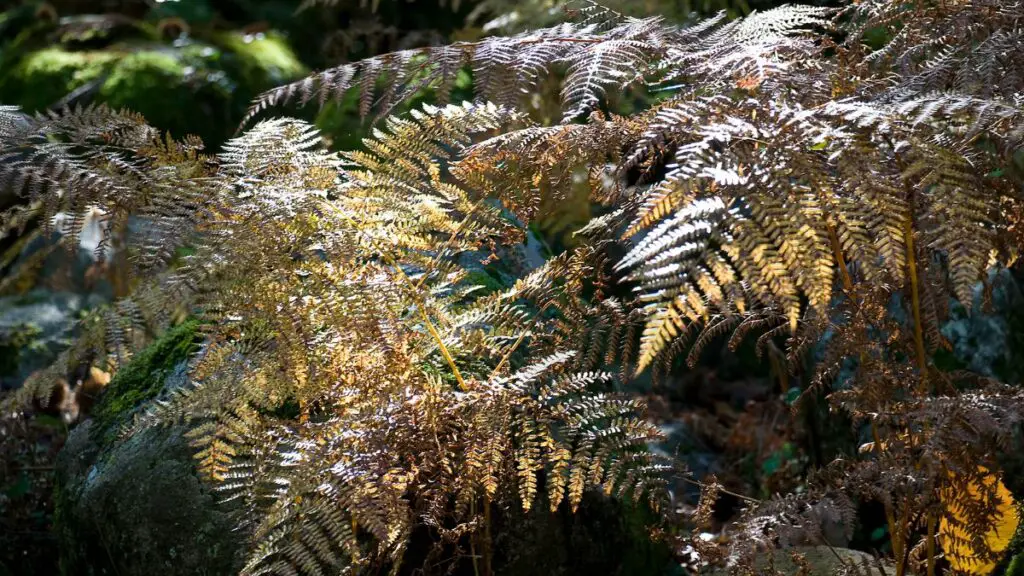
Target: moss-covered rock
pixel 143 378
pixel 46 76
pixel 200 87
pixel 134 506
pixel 137 509
pixel 263 59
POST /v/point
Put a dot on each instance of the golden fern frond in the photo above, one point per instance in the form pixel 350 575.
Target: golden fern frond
pixel 557 410
pixel 346 362
pixel 400 193
pixel 961 211
pixel 541 165
pixel 353 386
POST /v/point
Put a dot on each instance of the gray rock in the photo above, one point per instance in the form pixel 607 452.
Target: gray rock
pixel 821 561
pixel 134 506
pixel 36 324
pixel 137 508
pixel 34 328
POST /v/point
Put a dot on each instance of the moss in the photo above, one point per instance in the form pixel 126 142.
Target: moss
pixel 150 79
pixel 135 506
pixel 264 58
pixel 158 83
pixel 1014 560
pixel 143 72
pixel 143 377
pixel 44 77
pixel 216 79
pixel 487 282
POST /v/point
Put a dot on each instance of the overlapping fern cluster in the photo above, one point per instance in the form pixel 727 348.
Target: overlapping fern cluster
pixel 794 184
pixel 351 384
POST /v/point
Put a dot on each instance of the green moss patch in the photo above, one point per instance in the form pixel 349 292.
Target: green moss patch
pixel 487 283
pixel 44 77
pixel 264 58
pixel 194 87
pixel 143 378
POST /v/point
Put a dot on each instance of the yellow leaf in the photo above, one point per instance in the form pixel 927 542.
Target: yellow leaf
pixel 954 539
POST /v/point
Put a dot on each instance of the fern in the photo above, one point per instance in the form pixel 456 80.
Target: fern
pixel 335 284
pixel 606 51
pixel 789 188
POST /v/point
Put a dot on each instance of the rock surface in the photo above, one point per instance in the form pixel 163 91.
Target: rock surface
pixel 134 506
pixel 137 508
pixel 820 561
pixel 604 537
pixel 43 291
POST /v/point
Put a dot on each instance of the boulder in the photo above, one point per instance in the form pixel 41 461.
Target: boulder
pixel 133 506
pixel 604 536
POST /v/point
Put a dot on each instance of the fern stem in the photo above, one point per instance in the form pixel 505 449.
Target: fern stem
pixel 837 249
pixel 569 39
pixel 895 532
pixel 931 544
pixel 780 371
pixel 451 241
pixel 444 350
pixel 487 536
pixel 915 298
pixel 504 359
pixel 722 489
pixel 519 340
pixel 904 527
pixel 894 538
pixel 472 540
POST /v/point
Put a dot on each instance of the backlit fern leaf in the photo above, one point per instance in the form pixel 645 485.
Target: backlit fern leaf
pixel 599 57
